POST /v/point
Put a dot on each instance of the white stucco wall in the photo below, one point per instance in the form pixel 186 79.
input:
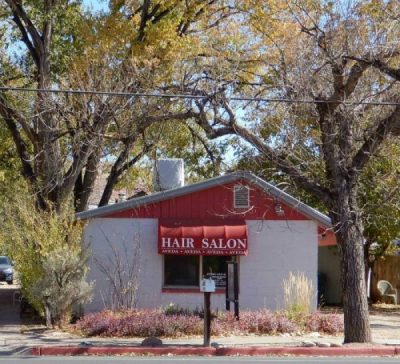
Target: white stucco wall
pixel 124 235
pixel 275 249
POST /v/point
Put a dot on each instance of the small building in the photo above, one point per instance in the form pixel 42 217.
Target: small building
pixel 174 237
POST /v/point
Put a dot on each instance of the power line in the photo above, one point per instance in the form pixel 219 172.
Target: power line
pixel 193 97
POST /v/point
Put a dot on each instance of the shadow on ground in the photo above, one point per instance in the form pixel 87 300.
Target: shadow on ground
pixel 9 305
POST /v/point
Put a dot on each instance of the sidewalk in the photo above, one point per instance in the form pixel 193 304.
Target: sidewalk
pixel 385 330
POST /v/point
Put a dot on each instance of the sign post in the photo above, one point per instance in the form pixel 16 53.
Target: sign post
pixel 207 286
pixel 207 319
pixel 232 287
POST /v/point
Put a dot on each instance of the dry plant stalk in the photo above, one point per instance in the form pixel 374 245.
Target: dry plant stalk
pixel 298 294
pixel 121 268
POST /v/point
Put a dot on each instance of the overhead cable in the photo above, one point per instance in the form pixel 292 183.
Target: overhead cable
pixel 196 97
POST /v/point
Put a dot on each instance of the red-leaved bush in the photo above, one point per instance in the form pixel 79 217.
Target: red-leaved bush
pixel 326 323
pixel 144 323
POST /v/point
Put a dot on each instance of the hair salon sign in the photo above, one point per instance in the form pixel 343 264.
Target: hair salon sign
pixel 203 239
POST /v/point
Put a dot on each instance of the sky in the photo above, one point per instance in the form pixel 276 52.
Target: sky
pixel 95 5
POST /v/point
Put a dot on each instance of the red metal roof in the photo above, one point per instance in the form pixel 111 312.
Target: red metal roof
pixel 212 200
pixel 214 203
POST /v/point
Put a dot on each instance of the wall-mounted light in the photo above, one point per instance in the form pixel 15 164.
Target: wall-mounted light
pixel 279 209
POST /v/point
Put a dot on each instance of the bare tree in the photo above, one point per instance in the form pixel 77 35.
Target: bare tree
pixel 121 270
pixel 323 144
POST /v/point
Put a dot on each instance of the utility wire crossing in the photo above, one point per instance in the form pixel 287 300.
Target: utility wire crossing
pixel 196 97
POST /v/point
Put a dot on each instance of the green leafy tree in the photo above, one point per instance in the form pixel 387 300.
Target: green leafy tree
pixel 61 140
pixel 137 46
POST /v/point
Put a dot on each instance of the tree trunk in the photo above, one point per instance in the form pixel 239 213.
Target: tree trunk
pixel 85 183
pixel 350 239
pixel 108 189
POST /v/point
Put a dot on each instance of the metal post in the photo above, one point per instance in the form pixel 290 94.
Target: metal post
pixel 236 289
pixel 232 287
pixel 207 318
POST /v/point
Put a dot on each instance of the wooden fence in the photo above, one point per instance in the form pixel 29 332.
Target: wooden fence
pixel 387 269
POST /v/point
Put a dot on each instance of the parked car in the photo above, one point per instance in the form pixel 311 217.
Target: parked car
pixel 6 270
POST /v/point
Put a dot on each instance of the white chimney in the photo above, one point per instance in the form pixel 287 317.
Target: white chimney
pixel 168 174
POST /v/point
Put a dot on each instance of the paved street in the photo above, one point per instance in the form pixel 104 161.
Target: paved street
pixel 196 360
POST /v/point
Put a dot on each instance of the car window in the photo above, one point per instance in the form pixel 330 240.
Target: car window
pixel 4 260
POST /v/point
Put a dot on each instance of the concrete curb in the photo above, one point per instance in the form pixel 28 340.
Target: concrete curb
pixel 210 351
pixel 120 350
pixel 313 351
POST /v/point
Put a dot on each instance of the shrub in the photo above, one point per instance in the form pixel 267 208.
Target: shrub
pixel 141 323
pixel 144 323
pixel 95 324
pixel 285 324
pixel 258 322
pixel 174 309
pixel 62 286
pixel 327 323
pixel 298 295
pixel 51 261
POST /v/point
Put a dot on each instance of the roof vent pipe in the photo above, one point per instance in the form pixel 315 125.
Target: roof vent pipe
pixel 168 174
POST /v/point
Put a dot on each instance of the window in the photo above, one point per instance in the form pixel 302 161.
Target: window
pixel 215 267
pixel 241 196
pixel 181 270
pixel 186 270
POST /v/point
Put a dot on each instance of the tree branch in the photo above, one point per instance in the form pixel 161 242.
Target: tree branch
pixel 9 115
pixel 26 26
pixel 144 16
pixel 377 63
pixel 281 161
pixel 26 40
pixel 84 189
pixel 385 126
pixel 284 164
pixel 118 170
pixel 203 143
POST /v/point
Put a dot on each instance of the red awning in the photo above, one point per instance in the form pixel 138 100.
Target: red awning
pixel 195 239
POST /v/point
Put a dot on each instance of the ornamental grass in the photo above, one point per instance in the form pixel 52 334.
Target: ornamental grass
pixel 298 294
